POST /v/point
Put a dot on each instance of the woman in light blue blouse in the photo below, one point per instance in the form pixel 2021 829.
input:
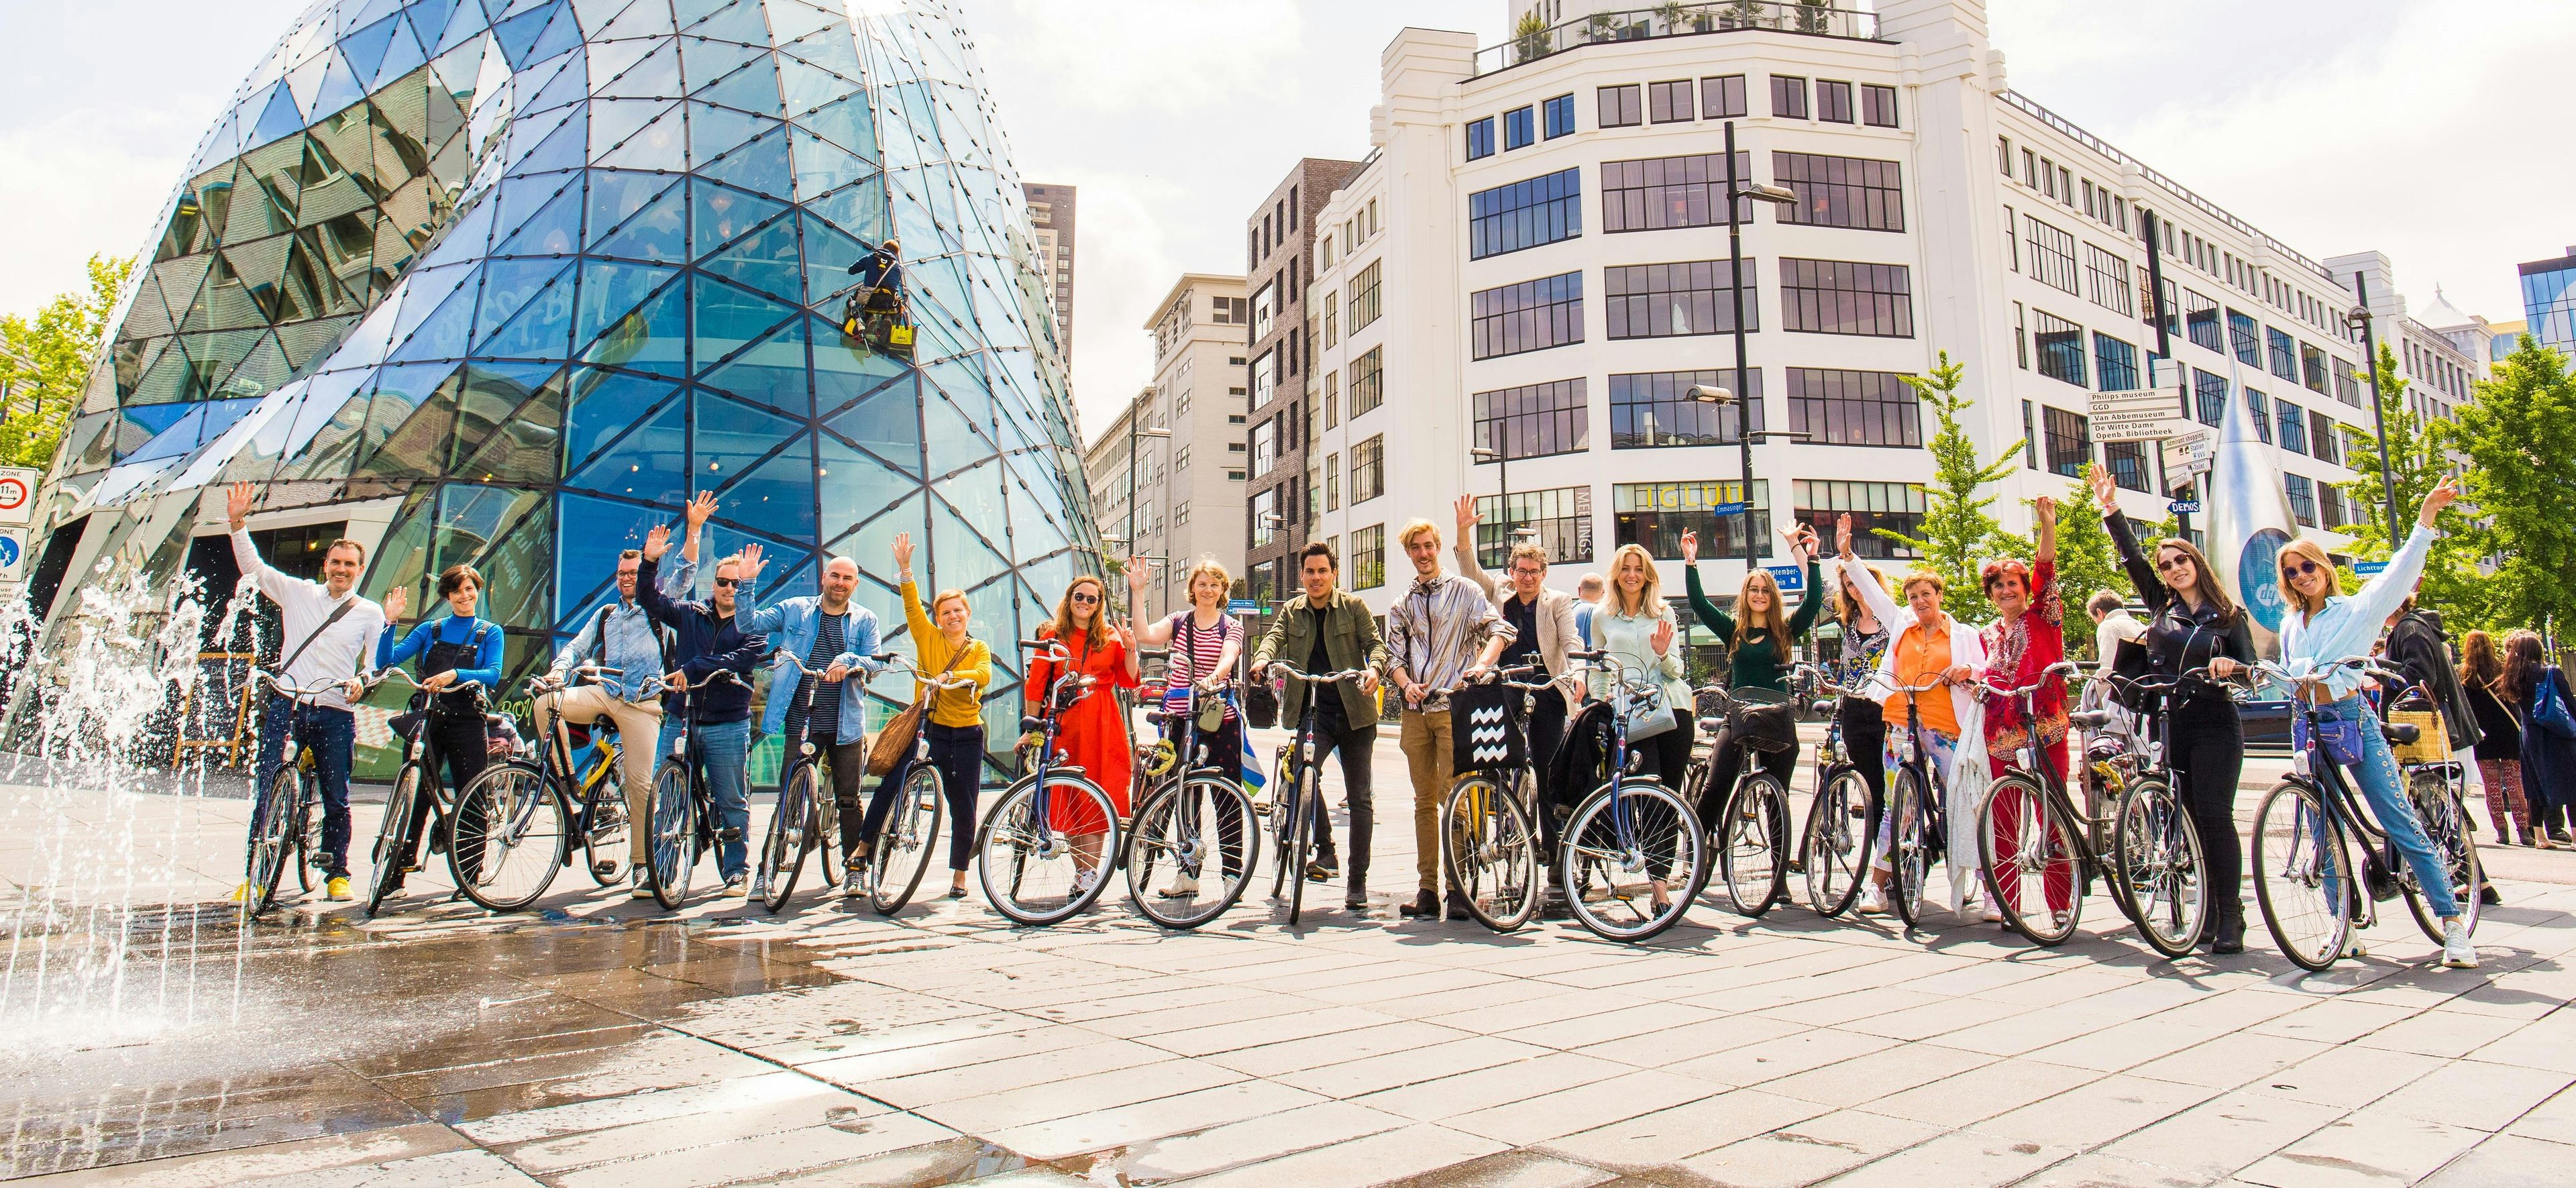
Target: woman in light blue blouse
pixel 2324 626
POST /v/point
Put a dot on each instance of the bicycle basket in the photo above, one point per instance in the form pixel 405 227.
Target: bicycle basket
pixel 1762 720
pixel 1485 728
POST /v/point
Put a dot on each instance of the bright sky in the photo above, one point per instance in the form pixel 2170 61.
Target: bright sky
pixel 2423 129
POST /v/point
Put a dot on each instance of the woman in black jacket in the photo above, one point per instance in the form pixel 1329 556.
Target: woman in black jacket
pixel 2499 748
pixel 2191 622
pixel 2548 757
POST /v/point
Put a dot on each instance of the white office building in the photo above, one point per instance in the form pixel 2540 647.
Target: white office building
pixel 1534 260
pixel 1188 445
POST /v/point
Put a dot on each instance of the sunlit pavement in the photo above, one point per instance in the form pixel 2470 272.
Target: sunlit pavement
pixel 595 1042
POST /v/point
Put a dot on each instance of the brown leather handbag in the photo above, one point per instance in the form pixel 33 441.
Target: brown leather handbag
pixel 893 744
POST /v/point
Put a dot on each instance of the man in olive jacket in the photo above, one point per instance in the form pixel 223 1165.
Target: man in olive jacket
pixel 1330 631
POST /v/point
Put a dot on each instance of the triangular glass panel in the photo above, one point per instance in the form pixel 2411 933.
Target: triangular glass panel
pixel 730 437
pixel 616 197
pixel 518 34
pixel 960 555
pixel 847 123
pixel 366 47
pixel 589 534
pixel 832 49
pixel 541 324
pixel 852 486
pixel 570 84
pixel 822 167
pixel 887 425
pixel 560 150
pixel 770 372
pixel 949 438
pixel 444 333
pixel 403 54
pixel 277 118
pixel 654 74
pixel 729 318
pixel 340 88
pixel 752 88
pixel 805 87
pixel 652 337
pixel 858 210
pixel 408 425
pixel 715 130
pixel 606 404
pixel 792 19
pixel 829 253
pixel 702 61
pixel 561 35
pixel 658 145
pixel 467 24
pixel 649 463
pixel 724 214
pixel 737 21
pixel 508 422
pixel 610 290
pixel 777 494
pixel 766 261
pixel 658 232
pixel 872 546
pixel 554 230
pixel 647 18
pixel 760 166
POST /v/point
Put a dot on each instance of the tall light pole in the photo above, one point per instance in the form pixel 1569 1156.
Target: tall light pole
pixel 2360 319
pixel 1736 192
pixel 1135 414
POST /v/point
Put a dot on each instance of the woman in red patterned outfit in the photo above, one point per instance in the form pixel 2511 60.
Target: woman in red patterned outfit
pixel 2028 635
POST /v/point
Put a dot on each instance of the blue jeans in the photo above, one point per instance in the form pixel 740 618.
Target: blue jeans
pixel 2384 787
pixel 723 750
pixel 330 732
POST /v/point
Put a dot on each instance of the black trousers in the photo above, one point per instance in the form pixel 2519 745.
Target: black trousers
pixel 1548 712
pixel 1726 761
pixel 1668 754
pixel 1357 746
pixel 1221 748
pixel 2208 756
pixel 457 741
pixel 958 754
pixel 1864 726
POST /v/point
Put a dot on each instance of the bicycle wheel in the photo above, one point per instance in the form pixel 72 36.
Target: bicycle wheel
pixel 791 838
pixel 1909 847
pixel 1751 837
pixel 2302 875
pixel 2158 871
pixel 671 834
pixel 509 837
pixel 1310 805
pixel 1620 849
pixel 1043 858
pixel 606 837
pixel 308 838
pixel 1492 851
pixel 1192 850
pixel 270 840
pixel 2446 824
pixel 389 859
pixel 1282 816
pixel 902 853
pixel 1840 830
pixel 2043 856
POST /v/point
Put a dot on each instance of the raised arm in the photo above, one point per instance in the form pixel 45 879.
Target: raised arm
pixel 1811 603
pixel 648 590
pixel 1463 549
pixel 2380 596
pixel 237 504
pixel 1153 634
pixel 1709 615
pixel 696 513
pixel 1857 578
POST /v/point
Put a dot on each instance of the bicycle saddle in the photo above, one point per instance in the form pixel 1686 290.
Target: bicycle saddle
pixel 2090 719
pixel 2399 733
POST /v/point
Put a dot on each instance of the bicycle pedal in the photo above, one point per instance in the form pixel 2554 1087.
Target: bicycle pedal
pixel 728 833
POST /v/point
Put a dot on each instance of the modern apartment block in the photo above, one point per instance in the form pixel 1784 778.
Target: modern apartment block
pixel 1534 260
pixel 2549 301
pixel 1278 247
pixel 1188 495
pixel 1051 212
pixel 2439 354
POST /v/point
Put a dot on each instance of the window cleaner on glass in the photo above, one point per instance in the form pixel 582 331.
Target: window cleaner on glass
pixel 875 314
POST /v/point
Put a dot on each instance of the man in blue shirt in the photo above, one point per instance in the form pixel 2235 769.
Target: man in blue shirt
pixel 622 636
pixel 834 638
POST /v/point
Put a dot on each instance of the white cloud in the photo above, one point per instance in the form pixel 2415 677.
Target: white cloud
pixel 85 182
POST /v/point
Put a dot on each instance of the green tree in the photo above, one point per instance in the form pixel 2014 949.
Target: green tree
pixel 46 359
pixel 1958 533
pixel 2518 431
pixel 2419 454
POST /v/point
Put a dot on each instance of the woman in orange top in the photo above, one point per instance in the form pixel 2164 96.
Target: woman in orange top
pixel 1089 733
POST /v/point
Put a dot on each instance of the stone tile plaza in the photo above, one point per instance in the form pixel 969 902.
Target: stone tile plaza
pixel 563 620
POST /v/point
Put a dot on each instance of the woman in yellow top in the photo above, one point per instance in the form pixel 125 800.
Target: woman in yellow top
pixel 956 725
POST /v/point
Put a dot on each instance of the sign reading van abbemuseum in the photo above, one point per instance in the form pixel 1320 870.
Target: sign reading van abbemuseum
pixel 2149 415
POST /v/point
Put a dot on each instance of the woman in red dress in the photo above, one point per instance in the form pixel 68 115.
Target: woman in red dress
pixel 2029 636
pixel 1090 734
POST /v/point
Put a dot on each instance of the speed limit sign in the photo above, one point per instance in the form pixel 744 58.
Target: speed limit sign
pixel 17 494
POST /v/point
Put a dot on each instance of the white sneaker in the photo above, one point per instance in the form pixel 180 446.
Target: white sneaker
pixel 2354 948
pixel 2457 952
pixel 1873 902
pixel 1083 882
pixel 1183 887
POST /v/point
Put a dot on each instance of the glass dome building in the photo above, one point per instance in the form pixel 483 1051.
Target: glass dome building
pixel 503 281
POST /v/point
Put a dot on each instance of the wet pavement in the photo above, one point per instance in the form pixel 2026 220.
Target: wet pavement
pixel 594 1043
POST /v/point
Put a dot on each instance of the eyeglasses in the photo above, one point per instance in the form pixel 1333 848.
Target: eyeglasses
pixel 727 583
pixel 1526 571
pixel 1086 598
pixel 2302 569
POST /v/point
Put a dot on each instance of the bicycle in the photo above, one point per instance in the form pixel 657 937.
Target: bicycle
pixel 2160 876
pixel 1628 837
pixel 536 806
pixel 900 854
pixel 679 815
pixel 1488 826
pixel 1027 853
pixel 1916 819
pixel 1750 832
pixel 1301 788
pixel 283 819
pixel 2046 836
pixel 393 855
pixel 1831 854
pixel 2303 870
pixel 1179 793
pixel 804 819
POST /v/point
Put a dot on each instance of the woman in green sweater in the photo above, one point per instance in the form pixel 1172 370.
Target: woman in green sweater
pixel 1758 647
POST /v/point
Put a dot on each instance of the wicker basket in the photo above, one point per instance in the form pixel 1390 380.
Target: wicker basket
pixel 2432 744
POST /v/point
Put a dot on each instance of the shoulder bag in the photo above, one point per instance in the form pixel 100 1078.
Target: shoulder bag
pixel 893 744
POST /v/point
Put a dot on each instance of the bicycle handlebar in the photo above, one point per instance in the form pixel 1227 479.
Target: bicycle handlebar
pixel 279 684
pixel 387 674
pixel 1326 678
pixel 905 664
pixel 2062 668
pixel 2319 670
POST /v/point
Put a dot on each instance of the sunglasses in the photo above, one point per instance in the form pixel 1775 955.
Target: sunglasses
pixel 2302 569
pixel 1086 598
pixel 2170 564
pixel 727 583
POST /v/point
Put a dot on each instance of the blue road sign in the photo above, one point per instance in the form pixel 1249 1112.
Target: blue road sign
pixel 8 551
pixel 1789 577
pixel 1242 606
pixel 2183 507
pixel 1726 509
pixel 2369 568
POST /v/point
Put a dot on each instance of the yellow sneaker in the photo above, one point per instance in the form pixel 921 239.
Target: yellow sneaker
pixel 336 890
pixel 241 894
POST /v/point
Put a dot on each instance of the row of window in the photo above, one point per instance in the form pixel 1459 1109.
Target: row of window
pixel 1654 410
pixel 1722 97
pixel 1520 127
pixel 1663 193
pixel 1692 297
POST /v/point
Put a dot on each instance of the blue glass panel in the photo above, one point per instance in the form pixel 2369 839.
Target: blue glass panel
pixel 562 33
pixel 658 145
pixel 277 118
pixel 605 404
pixel 402 56
pixel 724 213
pixel 738 21
pixel 805 87
pixel 542 328
pixel 561 149
pixel 777 495
pixel 766 261
pixel 760 166
pixel 832 49
pixel 508 284
pixel 752 88
pixel 442 334
pixel 872 546
pixel 651 463
pixel 703 62
pixel 730 318
pixel 822 167
pixel 639 20
pixel 654 337
pixel 518 35
pixel 365 48
pixel 729 437
pixel 853 487
pixel 553 231
pixel 960 555
pixel 829 252
pixel 340 88
pixel 771 372
pixel 714 131
pixel 570 84
pixel 617 197
pixel 653 75
pixel 846 123
pixel 791 19
pixel 609 291
pixel 590 534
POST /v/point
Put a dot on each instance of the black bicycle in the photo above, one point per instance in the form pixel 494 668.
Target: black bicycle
pixel 1917 819
pixel 2040 885
pixel 1842 822
pixel 529 809
pixel 1488 824
pixel 1296 811
pixel 1043 851
pixel 805 819
pixel 2159 873
pixel 900 854
pixel 416 778
pixel 1633 855
pixel 284 820
pixel 681 814
pixel 1750 829
pixel 1193 846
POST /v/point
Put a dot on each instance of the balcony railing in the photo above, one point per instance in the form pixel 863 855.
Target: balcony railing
pixel 1675 20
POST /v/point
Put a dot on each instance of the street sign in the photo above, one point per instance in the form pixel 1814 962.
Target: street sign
pixel 2369 568
pixel 1243 606
pixel 2183 507
pixel 1726 509
pixel 13 553
pixel 2145 415
pixel 1789 577
pixel 18 494
pixel 2191 452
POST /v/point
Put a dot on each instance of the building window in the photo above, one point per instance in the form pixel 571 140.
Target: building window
pixel 2347 381
pixel 2060 344
pixel 1878 106
pixel 2303 497
pixel 2107 276
pixel 1265 446
pixel 1480 139
pixel 1525 214
pixel 1859 408
pixel 1520 128
pixel 2052 255
pixel 2331 513
pixel 1332 318
pixel 2201 314
pixel 2241 334
pixel 2312 368
pixel 1368 557
pixel 2294 427
pixel 1562 517
pixel 2070 442
pixel 1620 106
pixel 1368 381
pixel 1842 297
pixel 2321 438
pixel 1833 101
pixel 1721 97
pixel 1333 398
pixel 1368 470
pixel 2029 437
pixel 1657 193
pixel 1673 300
pixel 1896 507
pixel 1656 514
pixel 2284 352
pixel 1534 420
pixel 1560 116
pixel 1788 97
pixel 2260 411
pixel 2115 363
pixel 2209 397
pixel 1364 297
pixel 1332 482
pixel 1841 191
pixel 1263 509
pixel 1670 102
pixel 2021 338
pixel 1530 316
pixel 2127 461
pixel 2012 242
pixel 1649 410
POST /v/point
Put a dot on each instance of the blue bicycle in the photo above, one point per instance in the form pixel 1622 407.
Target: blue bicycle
pixel 1633 855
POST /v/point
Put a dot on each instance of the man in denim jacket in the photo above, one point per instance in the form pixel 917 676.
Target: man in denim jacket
pixel 833 638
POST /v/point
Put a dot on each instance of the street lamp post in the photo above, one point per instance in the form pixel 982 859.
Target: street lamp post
pixel 1736 192
pixel 1135 413
pixel 2360 319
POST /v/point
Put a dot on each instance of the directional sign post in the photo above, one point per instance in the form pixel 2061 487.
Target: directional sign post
pixel 18 494
pixel 1789 577
pixel 2369 568
pixel 1242 606
pixel 2149 414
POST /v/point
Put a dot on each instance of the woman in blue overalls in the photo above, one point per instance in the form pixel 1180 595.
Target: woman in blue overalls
pixel 448 651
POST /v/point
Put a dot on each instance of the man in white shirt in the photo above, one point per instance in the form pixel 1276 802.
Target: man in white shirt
pixel 2113 625
pixel 330 634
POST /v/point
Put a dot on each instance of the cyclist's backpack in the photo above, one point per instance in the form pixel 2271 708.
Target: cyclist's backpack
pixel 1485 728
